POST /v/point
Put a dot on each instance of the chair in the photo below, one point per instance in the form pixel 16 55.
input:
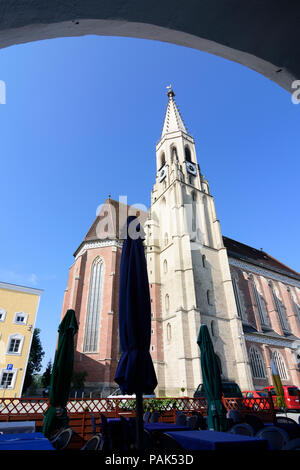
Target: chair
pixel 276 437
pixel 292 428
pixel 235 416
pixel 93 443
pixel 61 440
pixel 201 421
pixel 168 443
pixel 242 428
pixel 192 422
pixel 146 416
pixel 293 444
pixel 154 417
pixel 255 422
pixel 181 420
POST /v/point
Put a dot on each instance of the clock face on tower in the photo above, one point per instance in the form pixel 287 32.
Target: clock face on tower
pixel 162 174
pixel 191 168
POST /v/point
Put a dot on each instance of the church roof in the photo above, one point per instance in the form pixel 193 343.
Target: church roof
pixel 260 258
pixel 110 219
pixel 173 121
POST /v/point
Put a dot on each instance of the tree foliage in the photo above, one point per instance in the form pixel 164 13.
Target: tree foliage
pixel 46 377
pixel 35 359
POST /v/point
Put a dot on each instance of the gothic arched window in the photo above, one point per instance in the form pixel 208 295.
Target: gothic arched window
pixel 92 325
pixel 209 297
pixel 257 363
pixel 279 361
pixel 165 266
pixel 162 160
pixel 169 332
pixel 187 153
pixel 174 156
pixel 167 302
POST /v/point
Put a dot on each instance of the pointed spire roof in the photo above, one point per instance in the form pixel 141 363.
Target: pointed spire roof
pixel 173 120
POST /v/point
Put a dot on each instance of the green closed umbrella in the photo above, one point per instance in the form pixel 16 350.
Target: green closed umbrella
pixel 56 416
pixel 216 412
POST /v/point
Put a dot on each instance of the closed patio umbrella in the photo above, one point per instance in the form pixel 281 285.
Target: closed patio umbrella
pixel 211 376
pixel 280 400
pixel 56 415
pixel 135 372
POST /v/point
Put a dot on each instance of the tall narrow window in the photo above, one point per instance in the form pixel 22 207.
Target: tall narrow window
pixel 187 153
pixel 167 302
pixel 257 364
pixel 174 156
pixel 237 297
pixel 279 361
pixel 294 303
pixel 280 309
pixel 94 307
pixel 259 301
pixel 165 266
pixel 209 297
pixel 162 160
pixel 169 332
pixel 203 261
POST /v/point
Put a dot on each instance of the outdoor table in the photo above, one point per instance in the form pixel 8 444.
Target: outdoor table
pixel 25 441
pixel 215 440
pixel 164 427
pixel 17 427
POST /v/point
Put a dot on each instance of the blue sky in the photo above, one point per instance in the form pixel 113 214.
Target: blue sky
pixel 81 121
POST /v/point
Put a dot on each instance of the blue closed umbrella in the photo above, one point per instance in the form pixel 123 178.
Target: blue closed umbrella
pixel 135 372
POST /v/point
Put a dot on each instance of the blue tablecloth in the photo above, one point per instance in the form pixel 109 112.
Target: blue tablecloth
pixel 164 427
pixel 25 441
pixel 214 440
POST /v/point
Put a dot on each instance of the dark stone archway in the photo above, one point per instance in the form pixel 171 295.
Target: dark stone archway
pixel 262 35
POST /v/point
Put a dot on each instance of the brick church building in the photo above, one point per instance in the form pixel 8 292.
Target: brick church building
pixel 249 300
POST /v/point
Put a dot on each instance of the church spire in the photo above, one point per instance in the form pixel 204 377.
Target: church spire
pixel 173 120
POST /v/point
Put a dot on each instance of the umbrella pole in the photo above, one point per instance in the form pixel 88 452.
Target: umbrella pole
pixel 139 421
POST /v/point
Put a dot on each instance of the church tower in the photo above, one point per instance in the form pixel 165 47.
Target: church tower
pixel 189 275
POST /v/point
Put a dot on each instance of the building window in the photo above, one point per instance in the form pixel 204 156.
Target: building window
pixel 2 314
pixel 165 266
pixel 174 156
pixel 94 307
pixel 237 297
pixel 213 329
pixel 21 318
pixel 15 344
pixel 187 153
pixel 280 308
pixel 169 332
pixel 257 364
pixel 279 361
pixel 260 304
pixel 7 379
pixel 294 303
pixel 152 331
pixel 162 160
pixel 152 348
pixel 167 302
pixel 166 239
pixel 203 261
pixel 209 297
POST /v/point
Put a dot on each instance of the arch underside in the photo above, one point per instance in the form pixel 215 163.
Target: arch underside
pixel 260 35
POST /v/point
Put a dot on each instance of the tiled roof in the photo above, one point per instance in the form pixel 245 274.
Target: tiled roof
pixel 110 220
pixel 260 258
